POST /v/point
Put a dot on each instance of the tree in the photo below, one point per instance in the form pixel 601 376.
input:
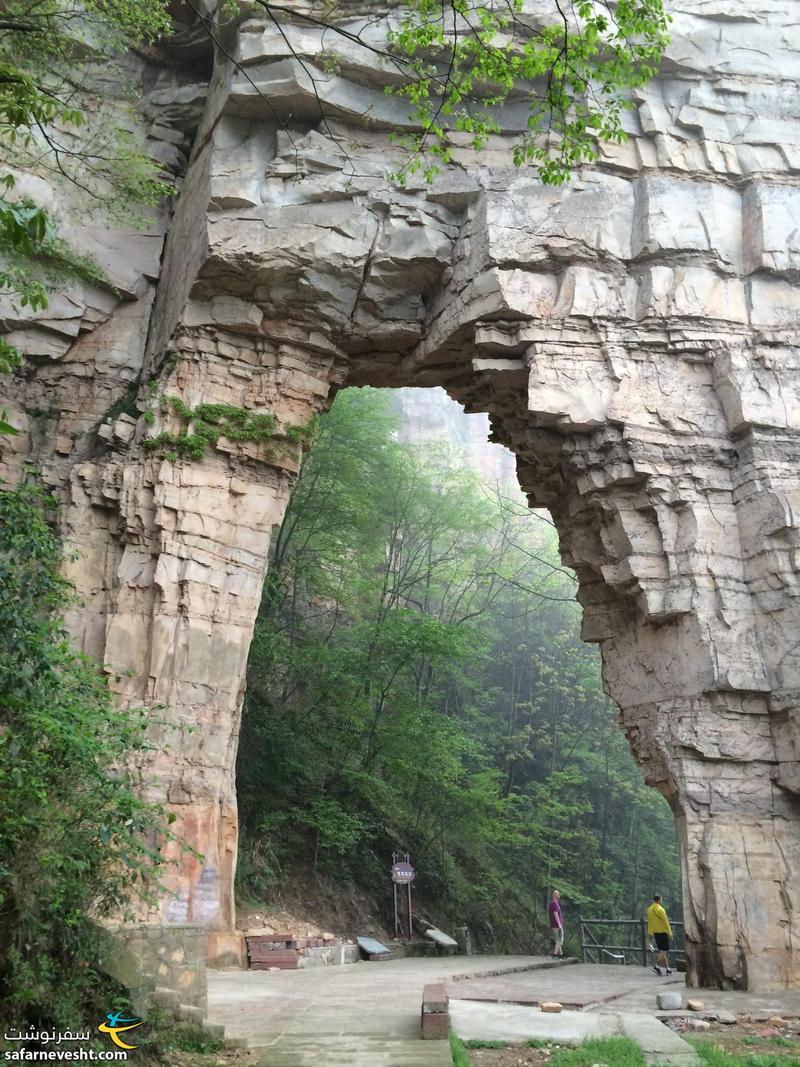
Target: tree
pixel 416 681
pixel 60 91
pixel 463 61
pixel 75 841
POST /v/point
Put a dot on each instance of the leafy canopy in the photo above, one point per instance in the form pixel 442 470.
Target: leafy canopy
pixel 469 58
pixel 474 67
pixel 61 91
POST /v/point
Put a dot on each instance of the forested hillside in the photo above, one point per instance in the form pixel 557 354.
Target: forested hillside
pixel 417 681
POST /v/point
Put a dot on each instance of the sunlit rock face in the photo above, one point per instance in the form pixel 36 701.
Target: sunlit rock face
pixel 632 336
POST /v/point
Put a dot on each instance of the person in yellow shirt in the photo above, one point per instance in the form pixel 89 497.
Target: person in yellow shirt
pixel 659 929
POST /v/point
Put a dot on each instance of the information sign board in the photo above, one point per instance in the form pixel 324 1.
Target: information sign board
pixel 403 873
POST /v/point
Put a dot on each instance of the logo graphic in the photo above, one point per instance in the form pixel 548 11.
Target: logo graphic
pixel 116 1024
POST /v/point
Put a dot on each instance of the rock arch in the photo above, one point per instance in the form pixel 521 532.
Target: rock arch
pixel 634 339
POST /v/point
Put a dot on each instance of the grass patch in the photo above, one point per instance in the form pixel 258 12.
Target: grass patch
pixel 622 1052
pixel 778 1042
pixel 195 1039
pixel 715 1056
pixel 614 1051
pixel 458 1052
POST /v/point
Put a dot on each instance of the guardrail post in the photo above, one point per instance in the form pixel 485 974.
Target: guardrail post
pixel 643 929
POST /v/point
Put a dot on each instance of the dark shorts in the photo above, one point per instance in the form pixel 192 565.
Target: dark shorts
pixel 662 942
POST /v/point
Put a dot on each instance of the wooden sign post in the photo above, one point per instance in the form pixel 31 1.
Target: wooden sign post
pixel 403 874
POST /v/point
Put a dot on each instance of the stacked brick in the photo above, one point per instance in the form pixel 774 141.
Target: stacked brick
pixel 283 951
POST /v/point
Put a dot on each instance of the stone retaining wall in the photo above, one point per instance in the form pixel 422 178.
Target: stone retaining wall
pixel 329 955
pixel 163 964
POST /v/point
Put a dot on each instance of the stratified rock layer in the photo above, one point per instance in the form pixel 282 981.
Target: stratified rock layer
pixel 633 337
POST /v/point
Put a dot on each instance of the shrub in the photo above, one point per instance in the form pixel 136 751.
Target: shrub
pixel 75 841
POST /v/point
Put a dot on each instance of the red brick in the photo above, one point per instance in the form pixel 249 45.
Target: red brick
pixel 285 963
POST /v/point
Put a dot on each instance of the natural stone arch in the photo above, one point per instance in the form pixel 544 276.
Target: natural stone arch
pixel 633 338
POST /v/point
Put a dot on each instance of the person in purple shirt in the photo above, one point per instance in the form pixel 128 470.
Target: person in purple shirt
pixel 556 920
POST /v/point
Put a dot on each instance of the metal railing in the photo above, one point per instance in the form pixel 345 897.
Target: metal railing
pixel 624 941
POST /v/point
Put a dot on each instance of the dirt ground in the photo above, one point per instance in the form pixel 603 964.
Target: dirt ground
pixel 513 1056
pixel 233 1058
pixel 741 1045
pixel 780 1038
pixel 316 908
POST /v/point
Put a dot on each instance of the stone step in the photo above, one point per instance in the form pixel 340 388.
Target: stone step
pixel 168 999
pixel 399 950
pixel 338 1050
pixel 656 1059
pixel 190 1013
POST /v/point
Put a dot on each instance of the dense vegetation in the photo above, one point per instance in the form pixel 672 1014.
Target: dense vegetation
pixel 417 682
pixel 76 844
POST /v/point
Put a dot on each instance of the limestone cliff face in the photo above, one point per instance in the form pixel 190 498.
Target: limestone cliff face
pixel 633 338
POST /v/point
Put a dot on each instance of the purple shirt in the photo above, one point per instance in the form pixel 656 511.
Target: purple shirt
pixel 555 916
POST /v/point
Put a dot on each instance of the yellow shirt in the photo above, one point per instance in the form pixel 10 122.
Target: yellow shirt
pixel 657 921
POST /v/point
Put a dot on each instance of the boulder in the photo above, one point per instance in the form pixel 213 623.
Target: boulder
pixel 669 1001
pixel 699 1025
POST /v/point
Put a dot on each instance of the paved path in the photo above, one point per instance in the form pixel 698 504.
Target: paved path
pixel 593 987
pixel 582 986
pixel 368 1014
pixel 363 1015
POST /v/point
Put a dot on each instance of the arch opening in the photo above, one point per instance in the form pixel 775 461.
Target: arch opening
pixel 417 682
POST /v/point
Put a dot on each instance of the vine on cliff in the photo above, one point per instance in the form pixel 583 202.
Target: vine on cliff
pixel 208 422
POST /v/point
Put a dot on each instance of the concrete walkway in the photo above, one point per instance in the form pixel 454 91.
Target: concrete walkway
pixel 516 1024
pixel 593 987
pixel 368 1014
pixel 363 1015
